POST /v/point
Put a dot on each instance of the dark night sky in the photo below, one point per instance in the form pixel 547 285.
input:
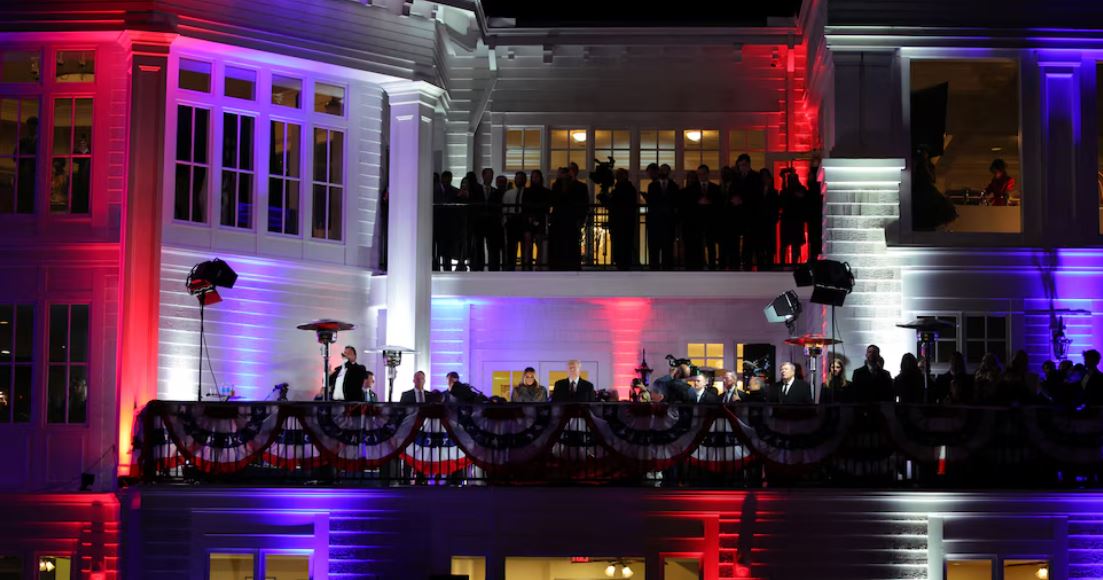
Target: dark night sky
pixel 639 12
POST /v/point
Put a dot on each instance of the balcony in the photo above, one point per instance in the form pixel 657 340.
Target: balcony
pixel 741 446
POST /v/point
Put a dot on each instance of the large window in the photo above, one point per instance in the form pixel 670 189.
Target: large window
pixel 76 66
pixel 283 178
pixel 56 568
pixel 265 564
pixel 16 362
pixel 701 147
pixel 965 142
pixel 706 354
pixel 67 375
pixel 237 170
pixel 985 334
pixel 192 163
pixel 569 146
pixel 19 123
pixel 657 147
pixel 20 66
pixel 749 141
pixel 945 343
pixel 329 154
pixel 523 149
pixel 71 162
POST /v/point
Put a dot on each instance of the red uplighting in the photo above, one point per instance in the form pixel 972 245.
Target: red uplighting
pixel 580 559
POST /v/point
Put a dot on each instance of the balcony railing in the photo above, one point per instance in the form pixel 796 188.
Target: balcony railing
pixel 741 445
pixel 476 238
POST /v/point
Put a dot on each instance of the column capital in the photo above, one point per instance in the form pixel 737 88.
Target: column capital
pixel 416 93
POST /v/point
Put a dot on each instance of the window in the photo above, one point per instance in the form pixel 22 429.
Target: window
pixel 329 99
pixel 749 141
pixel 1099 120
pixel 20 66
pixel 969 569
pixel 286 567
pixel 283 178
pixel 616 144
pixel 18 154
pixel 984 334
pixel 702 354
pixel 76 66
pixel 501 382
pixel 701 147
pixel 16 362
pixel 287 91
pixel 55 568
pixel 195 75
pixel 472 567
pixel 70 172
pixel 240 83
pixel 192 163
pixel 329 153
pixel 232 567
pixel 11 567
pixel 946 342
pixel 67 380
pixel 523 150
pixel 569 146
pixel 1026 569
pixel 237 170
pixel 965 132
pixel 657 147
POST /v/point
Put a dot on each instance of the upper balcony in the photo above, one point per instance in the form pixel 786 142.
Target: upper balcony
pixel 744 445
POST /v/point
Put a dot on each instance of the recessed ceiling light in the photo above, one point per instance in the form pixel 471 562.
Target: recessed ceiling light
pixel 694 136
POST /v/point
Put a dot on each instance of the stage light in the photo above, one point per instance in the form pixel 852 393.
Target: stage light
pixel 785 308
pixel 832 281
pixel 202 282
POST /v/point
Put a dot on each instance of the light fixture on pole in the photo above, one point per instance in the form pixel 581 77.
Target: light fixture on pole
pixel 927 331
pixel 392 357
pixel 326 330
pixel 644 370
pixel 203 282
pixel 785 308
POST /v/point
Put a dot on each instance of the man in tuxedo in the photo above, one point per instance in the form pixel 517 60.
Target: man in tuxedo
pixel 346 382
pixel 661 196
pixel 702 394
pixel 459 392
pixel 418 394
pixel 790 389
pixel 574 388
pixel 871 382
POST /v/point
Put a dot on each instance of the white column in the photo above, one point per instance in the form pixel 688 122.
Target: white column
pixel 410 224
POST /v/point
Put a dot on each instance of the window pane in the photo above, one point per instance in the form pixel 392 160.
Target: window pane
pixel 5 399
pixel 59 185
pixel 1026 569
pixel 7 332
pixel 291 220
pixel 321 152
pixel 82 134
pixel 76 66
pixel 559 139
pixel 318 209
pixel 199 194
pixel 997 327
pixel 336 157
pixel 183 133
pixel 603 139
pixel 974 327
pixel 329 99
pixel 55 568
pixel 231 567
pixel 245 144
pixel 245 201
pixel 276 148
pixel 974 351
pixel 965 115
pixel 21 405
pixel 11 568
pixel 201 126
pixel 63 126
pixel 1099 142
pixel 515 138
pixel 20 66
pixel 195 75
pixel 182 194
pixel 969 570
pixel 335 194
pixel 240 83
pixel 287 91
pixel 229 140
pixel 56 387
pixel 293 145
pixel 59 333
pixel 275 205
pixel 286 567
pixel 78 394
pixel 82 184
pixel 78 333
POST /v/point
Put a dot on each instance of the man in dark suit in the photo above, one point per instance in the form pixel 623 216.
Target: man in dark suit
pixel 871 382
pixel 790 389
pixel 574 388
pixel 702 393
pixel 418 394
pixel 673 387
pixel 661 197
pixel 346 382
pixel 460 392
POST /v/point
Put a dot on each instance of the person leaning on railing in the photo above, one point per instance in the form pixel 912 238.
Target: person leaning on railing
pixel 528 390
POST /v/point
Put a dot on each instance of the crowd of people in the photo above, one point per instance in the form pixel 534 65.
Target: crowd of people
pixel 737 222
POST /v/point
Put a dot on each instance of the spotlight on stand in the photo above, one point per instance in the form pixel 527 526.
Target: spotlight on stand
pixel 785 308
pixel 831 281
pixel 203 282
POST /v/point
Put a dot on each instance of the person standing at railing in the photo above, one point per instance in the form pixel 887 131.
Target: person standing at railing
pixel 703 394
pixel 461 392
pixel 574 388
pixel 475 240
pixel 346 382
pixel 661 195
pixel 744 196
pixel 512 221
pixel 689 223
pixel 570 202
pixel 528 390
pixel 814 208
pixel 418 394
pixel 794 202
pixel 709 217
pixel 764 228
pixel 535 205
pixel 495 232
pixel 623 205
pixel 908 385
pixel 955 386
pixel 444 222
pixel 790 389
pixel 872 383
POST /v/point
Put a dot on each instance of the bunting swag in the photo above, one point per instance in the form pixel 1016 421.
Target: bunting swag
pixel 358 436
pixel 1065 435
pixel 794 436
pixel 501 435
pixel 655 436
pixel 292 448
pixel 221 438
pixel 433 453
pixel 152 445
pixel 922 431
pixel 721 450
